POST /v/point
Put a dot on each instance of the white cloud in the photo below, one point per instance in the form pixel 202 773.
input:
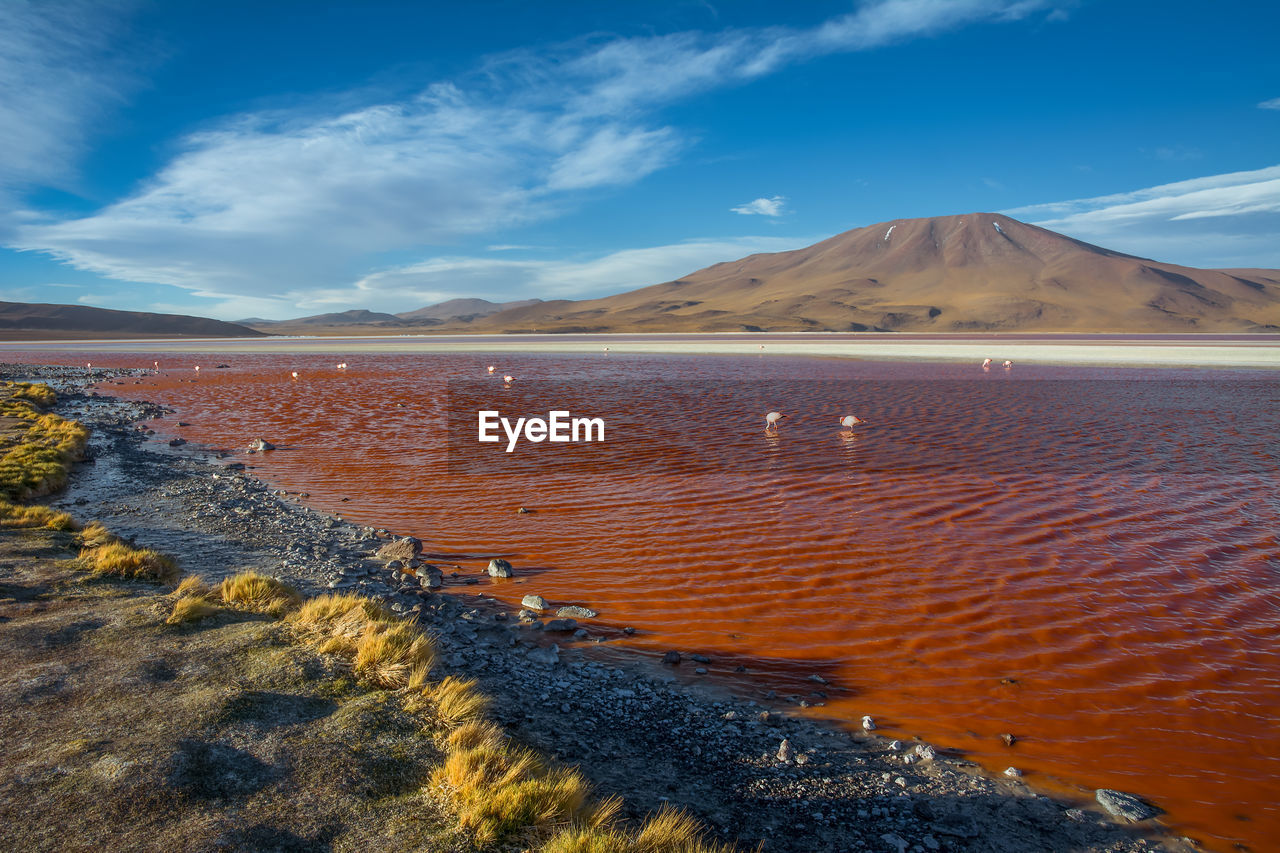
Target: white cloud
pixel 762 207
pixel 1273 104
pixel 270 204
pixel 501 280
pixel 1229 220
pixel 58 77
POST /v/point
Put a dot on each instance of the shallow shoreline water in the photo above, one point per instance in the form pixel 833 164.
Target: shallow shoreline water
pixel 651 740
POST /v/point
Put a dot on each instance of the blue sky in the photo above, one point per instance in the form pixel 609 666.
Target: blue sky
pixel 277 159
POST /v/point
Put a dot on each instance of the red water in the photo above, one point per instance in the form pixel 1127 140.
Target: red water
pixel 1084 558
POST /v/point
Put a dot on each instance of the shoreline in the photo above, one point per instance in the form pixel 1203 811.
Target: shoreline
pixel 633 732
pixel 1168 351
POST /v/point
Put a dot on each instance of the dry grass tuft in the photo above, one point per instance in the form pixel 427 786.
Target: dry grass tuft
pixel 382 649
pixel 393 655
pixel 668 831
pixel 119 559
pixel 94 535
pixel 456 700
pixel 37 462
pixel 12 515
pixel 35 392
pixel 190 608
pixel 499 790
pixel 259 593
pixel 193 585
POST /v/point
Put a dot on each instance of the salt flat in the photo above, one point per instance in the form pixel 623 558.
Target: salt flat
pixel 1261 351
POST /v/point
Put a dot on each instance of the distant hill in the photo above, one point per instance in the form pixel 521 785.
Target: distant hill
pixel 464 310
pixel 979 272
pixel 33 321
pixel 455 311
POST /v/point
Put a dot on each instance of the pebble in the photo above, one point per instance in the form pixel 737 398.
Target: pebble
pixel 1012 772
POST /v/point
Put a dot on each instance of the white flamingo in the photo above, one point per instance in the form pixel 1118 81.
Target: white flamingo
pixel 492 368
pixel 342 365
pixel 508 379
pixel 771 421
pixel 986 364
pixel 851 421
pixel 197 368
pixel 294 374
pixel 89 366
pixel 1008 364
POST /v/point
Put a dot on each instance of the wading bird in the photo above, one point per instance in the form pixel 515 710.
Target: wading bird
pixel 986 364
pixel 294 374
pixel 492 368
pixel 1008 364
pixel 197 368
pixel 851 421
pixel 508 379
pixel 342 366
pixel 771 421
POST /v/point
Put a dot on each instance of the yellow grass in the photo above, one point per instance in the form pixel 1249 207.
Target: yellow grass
pixel 12 515
pixel 194 586
pixel 189 608
pixel 119 559
pixel 393 655
pixel 456 700
pixel 94 535
pixel 667 831
pixel 36 462
pixel 259 593
pixel 36 392
pixel 381 648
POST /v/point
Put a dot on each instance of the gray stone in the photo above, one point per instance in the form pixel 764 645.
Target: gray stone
pixel 927 752
pixel 499 569
pixel 560 625
pixel 785 752
pixel 534 602
pixel 868 724
pixel 259 445
pixel 1128 806
pixel 577 612
pixel 672 657
pixel 429 577
pixel 404 550
pixel 548 656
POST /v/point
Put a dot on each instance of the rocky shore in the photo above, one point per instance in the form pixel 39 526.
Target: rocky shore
pixel 753 774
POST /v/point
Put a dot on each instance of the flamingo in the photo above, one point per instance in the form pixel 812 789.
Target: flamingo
pixel 986 364
pixel 197 368
pixel 1008 364
pixel 295 374
pixel 89 366
pixel 342 365
pixel 606 349
pixel 850 421
pixel 508 379
pixel 771 421
pixel 492 368
pixel 156 364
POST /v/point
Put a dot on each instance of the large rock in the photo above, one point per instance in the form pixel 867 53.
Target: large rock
pixel 534 602
pixel 560 625
pixel 548 656
pixel 499 569
pixel 260 444
pixel 577 612
pixel 1127 806
pixel 429 577
pixel 404 550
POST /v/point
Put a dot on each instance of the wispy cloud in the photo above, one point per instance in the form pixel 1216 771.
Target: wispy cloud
pixel 1227 220
pixel 501 279
pixel 268 204
pixel 762 207
pixel 59 75
pixel 1273 104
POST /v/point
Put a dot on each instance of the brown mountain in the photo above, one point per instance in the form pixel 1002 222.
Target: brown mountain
pixel 980 272
pixel 24 321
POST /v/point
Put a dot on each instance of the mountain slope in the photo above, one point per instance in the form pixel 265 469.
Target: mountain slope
pixel 29 321
pixel 975 272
